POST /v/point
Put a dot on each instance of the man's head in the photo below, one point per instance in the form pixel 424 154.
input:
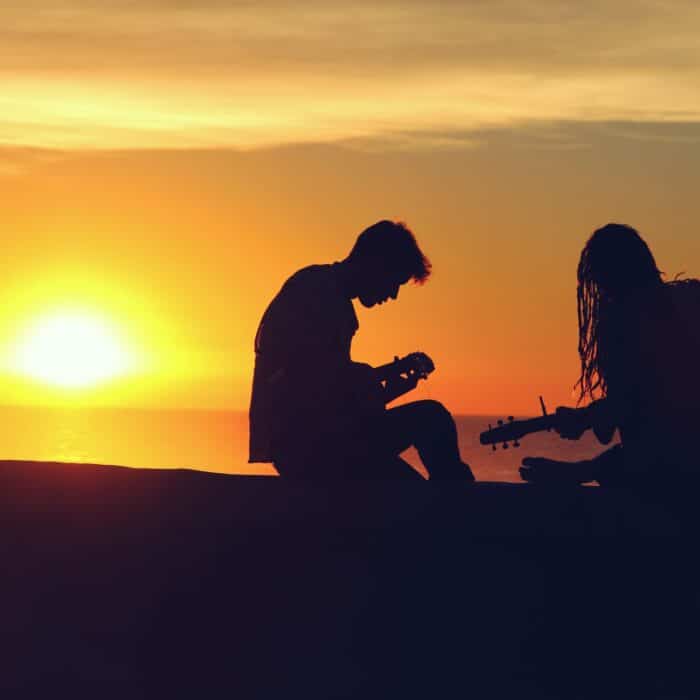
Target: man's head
pixel 384 257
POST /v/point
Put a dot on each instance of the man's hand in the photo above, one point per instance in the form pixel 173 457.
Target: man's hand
pixel 571 423
pixel 419 363
pixel 398 386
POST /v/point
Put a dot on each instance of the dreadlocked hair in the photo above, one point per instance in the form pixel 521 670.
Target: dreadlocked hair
pixel 589 302
pixel 614 262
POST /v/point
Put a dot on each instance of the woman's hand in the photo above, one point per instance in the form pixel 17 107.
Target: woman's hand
pixel 540 470
pixel 571 423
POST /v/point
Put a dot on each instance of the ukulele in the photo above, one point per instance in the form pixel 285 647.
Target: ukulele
pixel 374 387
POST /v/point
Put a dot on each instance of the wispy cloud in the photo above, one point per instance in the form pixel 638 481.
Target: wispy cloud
pixel 15 161
pixel 107 74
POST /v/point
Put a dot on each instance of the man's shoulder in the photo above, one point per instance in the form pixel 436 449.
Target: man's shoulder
pixel 313 279
pixel 312 273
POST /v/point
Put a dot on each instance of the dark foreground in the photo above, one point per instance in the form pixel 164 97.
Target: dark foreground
pixel 121 583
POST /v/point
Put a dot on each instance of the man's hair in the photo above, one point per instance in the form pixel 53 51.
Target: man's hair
pixel 395 243
pixel 614 258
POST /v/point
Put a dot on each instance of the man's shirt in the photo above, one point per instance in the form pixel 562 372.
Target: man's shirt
pixel 302 353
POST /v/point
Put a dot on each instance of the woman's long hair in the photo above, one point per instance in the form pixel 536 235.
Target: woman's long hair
pixel 614 263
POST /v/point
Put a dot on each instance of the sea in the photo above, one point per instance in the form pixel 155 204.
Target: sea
pixel 217 441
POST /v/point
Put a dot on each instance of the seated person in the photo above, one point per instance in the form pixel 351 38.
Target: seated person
pixel 315 413
pixel 639 344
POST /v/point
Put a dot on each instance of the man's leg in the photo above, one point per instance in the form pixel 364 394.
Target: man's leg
pixel 429 427
pixel 349 459
pixel 390 468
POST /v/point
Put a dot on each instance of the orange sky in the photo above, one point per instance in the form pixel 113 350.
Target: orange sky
pixel 169 164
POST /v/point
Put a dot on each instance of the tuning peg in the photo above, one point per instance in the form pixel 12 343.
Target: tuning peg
pixel 510 419
pixel 505 445
pixel 499 421
pixel 493 446
pixel 516 443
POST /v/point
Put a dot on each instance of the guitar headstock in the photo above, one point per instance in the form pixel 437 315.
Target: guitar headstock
pixel 513 430
pixel 504 432
pixel 415 364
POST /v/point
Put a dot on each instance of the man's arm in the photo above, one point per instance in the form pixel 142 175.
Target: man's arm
pixel 402 375
pixel 378 386
pixel 393 388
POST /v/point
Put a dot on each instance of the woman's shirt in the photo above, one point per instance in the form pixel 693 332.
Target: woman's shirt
pixel 650 357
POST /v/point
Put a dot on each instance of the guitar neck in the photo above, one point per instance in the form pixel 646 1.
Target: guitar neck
pixel 382 372
pixel 514 430
pixel 537 425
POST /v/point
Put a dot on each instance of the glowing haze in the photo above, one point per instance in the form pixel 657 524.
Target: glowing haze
pixel 168 164
pixel 71 349
pixel 104 74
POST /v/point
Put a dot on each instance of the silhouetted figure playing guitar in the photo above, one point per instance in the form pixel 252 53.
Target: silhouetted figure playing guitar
pixel 319 416
pixel 639 343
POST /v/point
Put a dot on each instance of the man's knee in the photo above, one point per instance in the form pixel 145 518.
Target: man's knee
pixel 434 412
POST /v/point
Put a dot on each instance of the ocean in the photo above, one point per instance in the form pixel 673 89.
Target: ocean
pixel 218 440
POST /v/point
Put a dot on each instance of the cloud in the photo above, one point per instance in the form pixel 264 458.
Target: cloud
pixel 16 161
pixel 107 74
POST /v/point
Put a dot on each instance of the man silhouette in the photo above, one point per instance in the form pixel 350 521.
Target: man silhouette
pixel 315 413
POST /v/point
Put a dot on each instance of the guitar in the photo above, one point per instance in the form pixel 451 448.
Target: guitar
pixel 415 365
pixel 377 386
pixel 513 430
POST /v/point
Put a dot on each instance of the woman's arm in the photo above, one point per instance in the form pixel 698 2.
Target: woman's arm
pixel 602 420
pixel 571 423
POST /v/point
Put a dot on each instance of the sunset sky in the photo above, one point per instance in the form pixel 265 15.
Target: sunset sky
pixel 166 165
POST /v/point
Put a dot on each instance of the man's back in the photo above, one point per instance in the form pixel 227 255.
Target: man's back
pixel 302 346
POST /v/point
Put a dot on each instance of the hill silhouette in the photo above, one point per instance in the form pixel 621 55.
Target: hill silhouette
pixel 150 583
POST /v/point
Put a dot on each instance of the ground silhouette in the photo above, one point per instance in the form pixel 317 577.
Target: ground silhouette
pixel 151 583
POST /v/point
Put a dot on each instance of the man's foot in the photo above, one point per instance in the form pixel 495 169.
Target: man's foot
pixel 461 474
pixel 540 470
pixel 468 473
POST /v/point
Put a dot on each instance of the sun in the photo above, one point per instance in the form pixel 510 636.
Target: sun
pixel 71 349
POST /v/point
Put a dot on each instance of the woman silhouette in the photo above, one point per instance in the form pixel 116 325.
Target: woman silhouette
pixel 639 346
